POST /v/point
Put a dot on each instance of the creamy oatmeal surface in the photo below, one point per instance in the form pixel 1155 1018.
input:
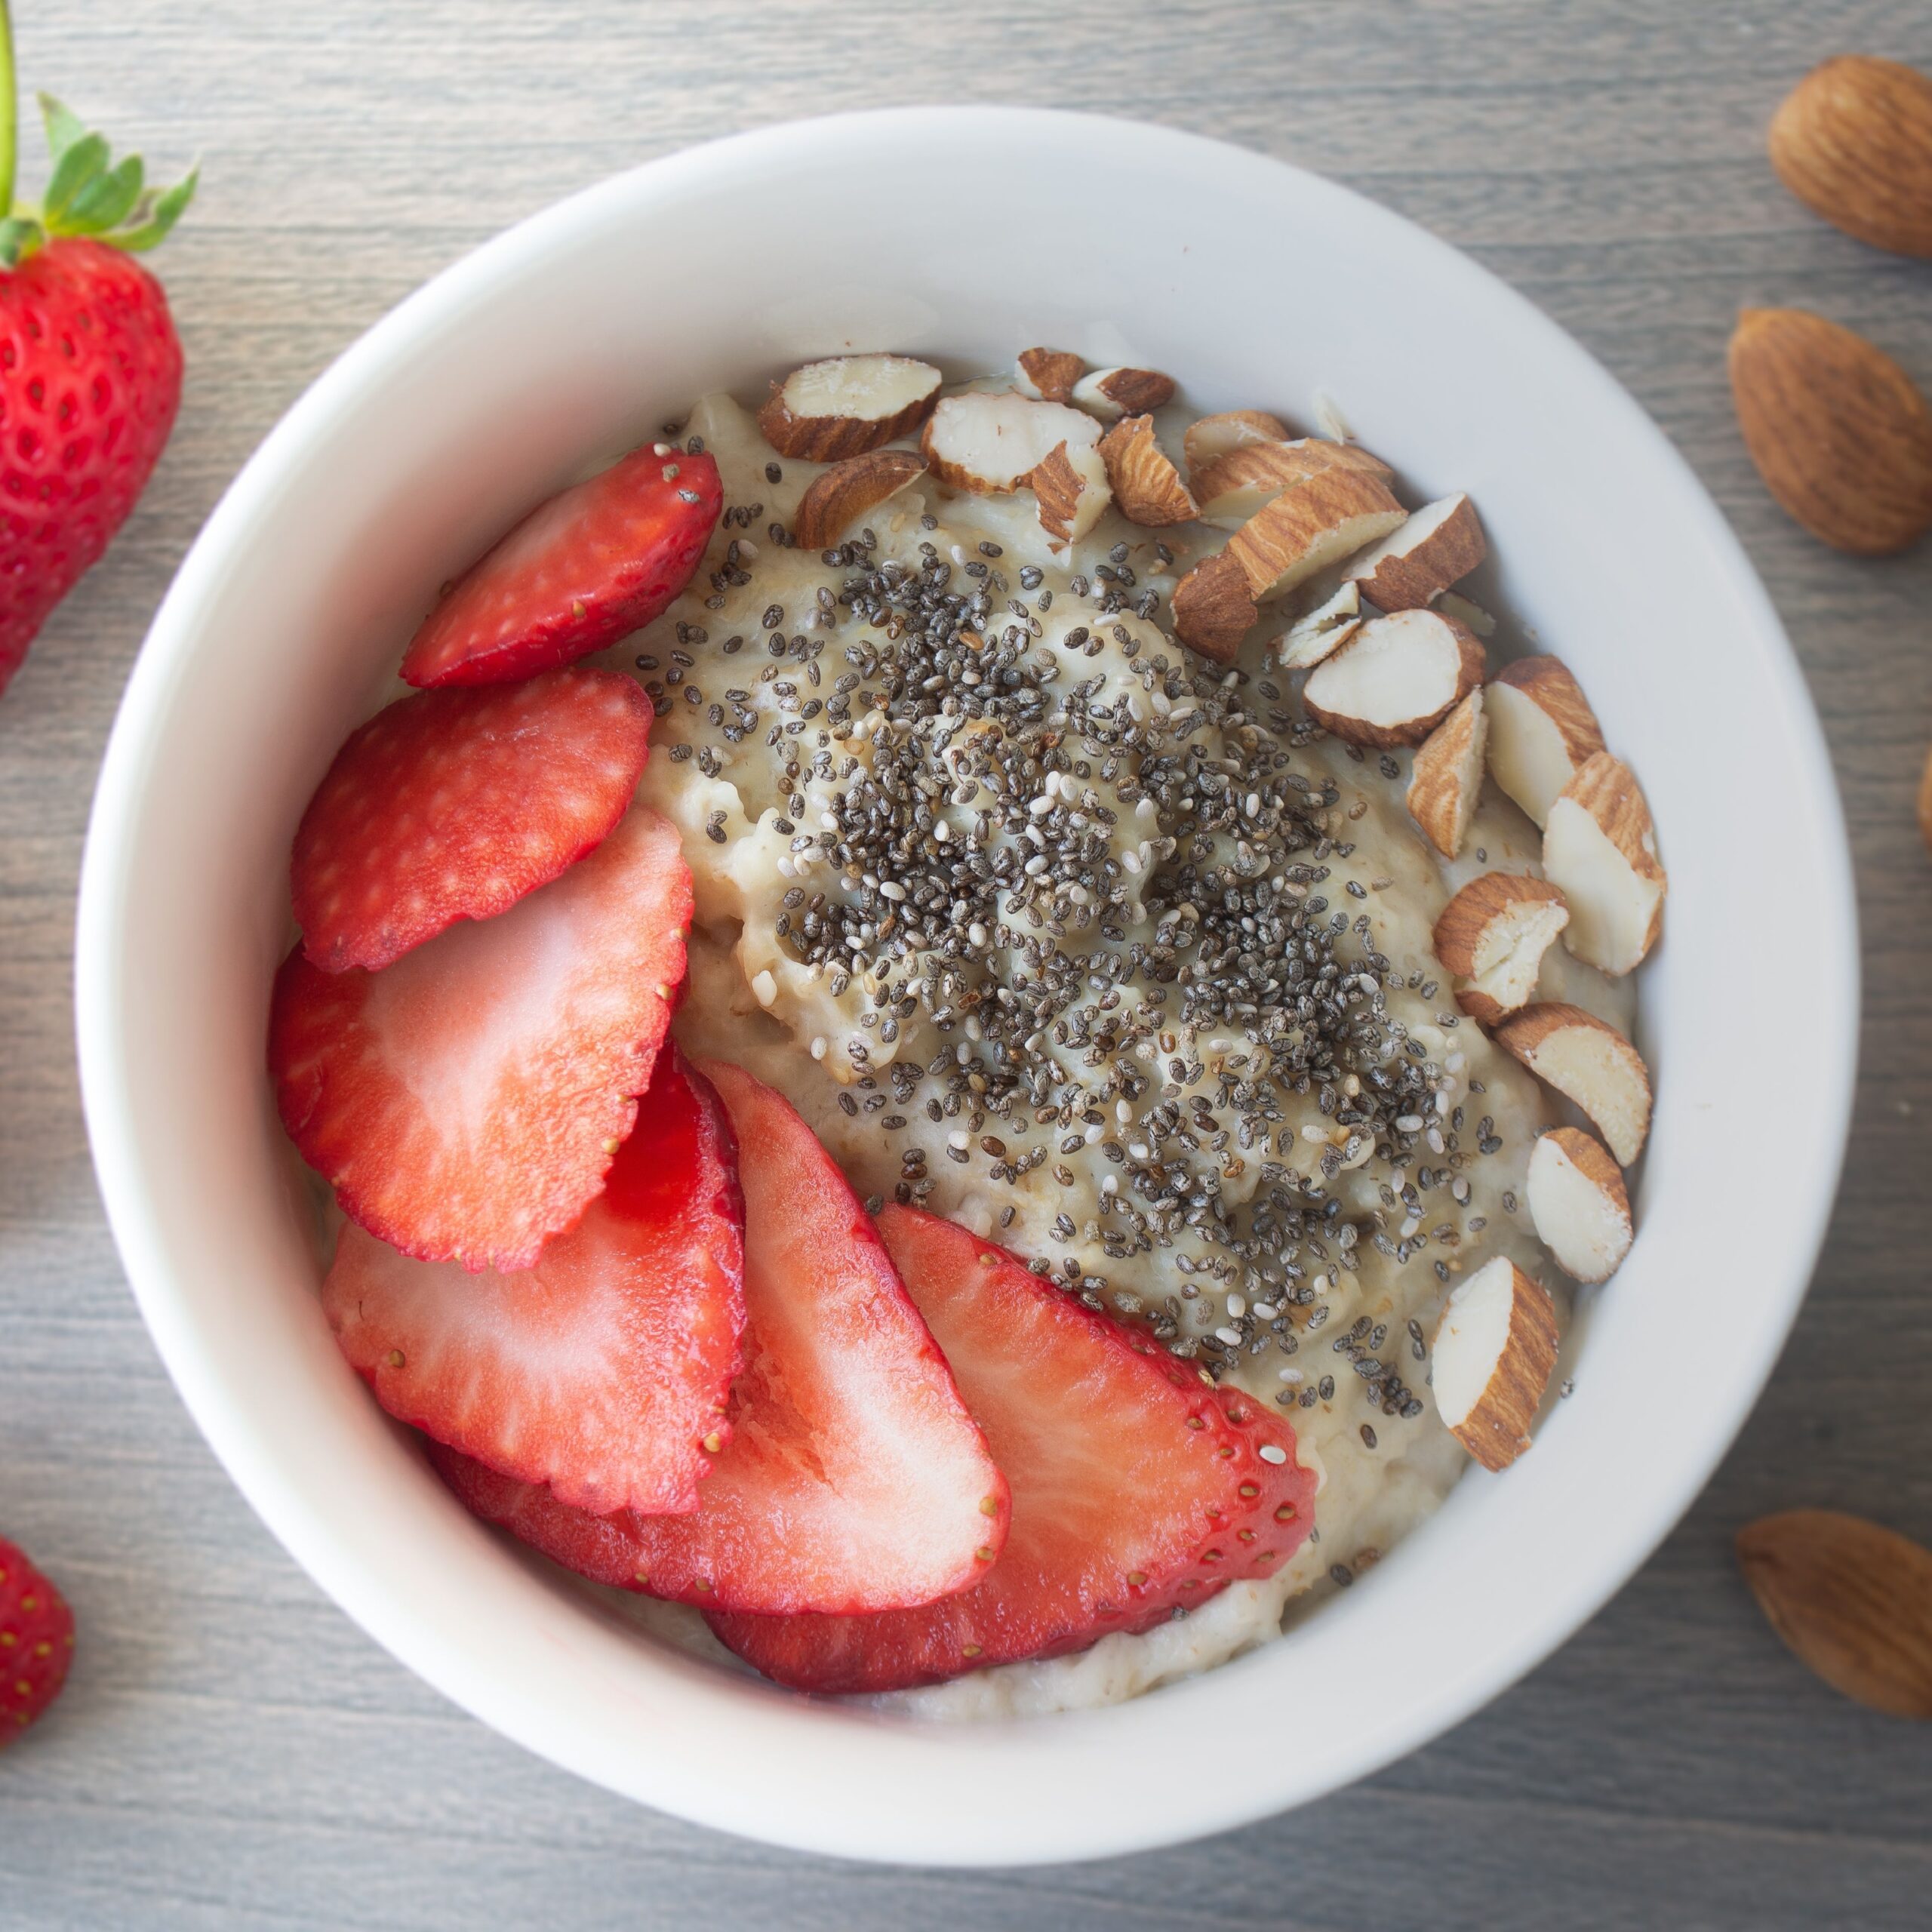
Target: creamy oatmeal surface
pixel 1046 924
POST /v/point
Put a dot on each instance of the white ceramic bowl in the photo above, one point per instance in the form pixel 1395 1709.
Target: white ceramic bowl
pixel 968 233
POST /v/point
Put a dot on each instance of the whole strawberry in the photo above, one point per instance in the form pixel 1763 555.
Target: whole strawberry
pixel 90 368
pixel 36 1641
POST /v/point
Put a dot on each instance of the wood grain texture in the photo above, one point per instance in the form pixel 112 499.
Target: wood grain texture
pixel 232 1753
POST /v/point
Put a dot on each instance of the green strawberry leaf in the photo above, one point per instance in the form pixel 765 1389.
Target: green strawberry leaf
pixel 80 163
pixel 64 127
pixel 106 200
pixel 153 222
pixel 19 235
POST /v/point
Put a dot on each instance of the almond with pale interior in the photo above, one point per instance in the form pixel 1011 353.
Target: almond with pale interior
pixel 1395 680
pixel 1212 609
pixel 1147 485
pixel 1071 484
pixel 1211 437
pixel 1541 729
pixel 1439 546
pixel 1233 488
pixel 1322 517
pixel 1491 1359
pixel 991 442
pixel 1049 374
pixel 836 499
pixel 1493 935
pixel 1321 633
pixel 1109 393
pixel 1600 848
pixel 846 405
pixel 1587 1061
pixel 1478 620
pixel 1578 1202
pixel 1447 779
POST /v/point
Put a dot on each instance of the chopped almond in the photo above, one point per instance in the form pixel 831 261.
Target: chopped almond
pixel 1473 615
pixel 1325 516
pixel 1210 437
pixel 1112 393
pixel 1491 1359
pixel 1541 728
pixel 1212 609
pixel 1395 680
pixel 1589 1061
pixel 1439 545
pixel 1247 479
pixel 1599 846
pixel 1493 935
pixel 836 499
pixel 1579 1203
pixel 1447 779
pixel 1321 633
pixel 846 405
pixel 991 442
pixel 1146 484
pixel 1049 374
pixel 1071 486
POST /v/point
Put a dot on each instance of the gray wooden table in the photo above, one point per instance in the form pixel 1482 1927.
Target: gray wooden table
pixel 232 1752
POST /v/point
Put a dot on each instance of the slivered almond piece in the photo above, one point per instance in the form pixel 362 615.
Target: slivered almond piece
pixel 1324 517
pixel 1599 846
pixel 1112 393
pixel 1493 936
pixel 1589 1062
pixel 1048 374
pixel 1464 612
pixel 1209 438
pixel 1541 728
pixel 1232 488
pixel 1146 484
pixel 1395 680
pixel 1212 609
pixel 1577 1200
pixel 1321 633
pixel 1439 545
pixel 1447 779
pixel 1071 486
pixel 991 443
pixel 846 404
pixel 836 499
pixel 1491 1359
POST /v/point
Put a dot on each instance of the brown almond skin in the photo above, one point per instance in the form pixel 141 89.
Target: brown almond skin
pixel 1839 433
pixel 1052 371
pixel 1147 485
pixel 1550 681
pixel 1853 141
pixel 1212 609
pixel 1925 803
pixel 833 501
pixel 1851 1599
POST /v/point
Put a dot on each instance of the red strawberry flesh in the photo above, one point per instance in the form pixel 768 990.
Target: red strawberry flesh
pixel 604 1370
pixel 466 1101
pixel 601 559
pixel 36 1641
pixel 1136 1489
pixel 453 804
pixel 854 1479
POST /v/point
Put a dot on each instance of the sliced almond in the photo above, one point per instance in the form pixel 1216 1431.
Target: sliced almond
pixel 1147 485
pixel 1232 488
pixel 1579 1205
pixel 1212 609
pixel 1439 545
pixel 1588 1061
pixel 1395 680
pixel 846 404
pixel 1493 936
pixel 1599 846
pixel 991 442
pixel 1324 517
pixel 1071 486
pixel 1491 1359
pixel 1478 620
pixel 1210 437
pixel 1112 393
pixel 1049 374
pixel 836 499
pixel 1447 779
pixel 1541 728
pixel 1321 633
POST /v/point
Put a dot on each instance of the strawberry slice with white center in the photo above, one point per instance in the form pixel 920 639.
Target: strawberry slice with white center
pixel 452 805
pixel 466 1101
pixel 579 571
pixel 603 1371
pixel 855 1480
pixel 1137 1490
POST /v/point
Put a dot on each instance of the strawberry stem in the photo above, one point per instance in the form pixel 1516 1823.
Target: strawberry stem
pixel 9 113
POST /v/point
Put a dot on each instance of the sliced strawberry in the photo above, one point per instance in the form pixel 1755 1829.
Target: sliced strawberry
pixel 855 1479
pixel 603 1371
pixel 599 560
pixel 467 1101
pixel 452 805
pixel 1136 1490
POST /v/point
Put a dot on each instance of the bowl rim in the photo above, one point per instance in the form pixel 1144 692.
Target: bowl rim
pixel 383 1608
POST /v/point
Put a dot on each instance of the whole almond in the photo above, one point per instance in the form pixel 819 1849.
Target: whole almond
pixel 1853 141
pixel 1842 437
pixel 1853 1601
pixel 1925 803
